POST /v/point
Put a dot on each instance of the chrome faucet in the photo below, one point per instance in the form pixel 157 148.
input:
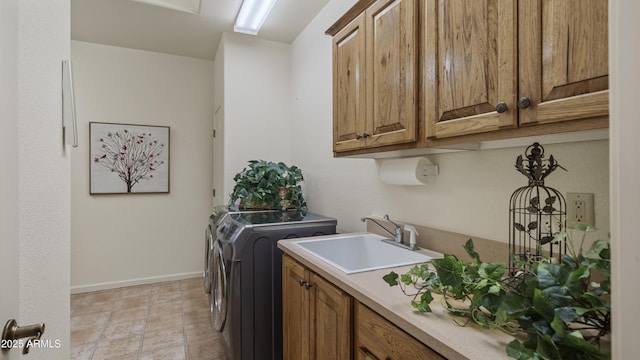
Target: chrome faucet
pixel 397 234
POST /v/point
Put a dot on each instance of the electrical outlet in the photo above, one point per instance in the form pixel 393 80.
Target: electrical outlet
pixel 580 209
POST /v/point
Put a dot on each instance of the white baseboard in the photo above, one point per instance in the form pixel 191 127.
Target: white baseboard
pixel 140 281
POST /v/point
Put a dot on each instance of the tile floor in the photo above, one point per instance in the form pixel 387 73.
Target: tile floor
pixel 168 321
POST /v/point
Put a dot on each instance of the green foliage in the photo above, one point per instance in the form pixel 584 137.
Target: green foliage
pixel 558 308
pixel 268 185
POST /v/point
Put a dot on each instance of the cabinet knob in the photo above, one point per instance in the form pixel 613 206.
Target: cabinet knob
pixel 365 135
pixel 501 107
pixel 524 102
pixel 358 136
pixel 307 285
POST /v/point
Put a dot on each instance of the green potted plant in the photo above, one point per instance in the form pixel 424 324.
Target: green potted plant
pixel 265 185
pixel 555 310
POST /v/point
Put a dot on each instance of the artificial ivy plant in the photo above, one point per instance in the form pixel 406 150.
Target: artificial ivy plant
pixel 265 185
pixel 555 310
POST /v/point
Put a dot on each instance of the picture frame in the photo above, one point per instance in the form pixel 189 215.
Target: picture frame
pixel 128 158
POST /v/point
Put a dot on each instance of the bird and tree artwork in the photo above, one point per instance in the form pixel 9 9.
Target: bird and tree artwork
pixel 129 159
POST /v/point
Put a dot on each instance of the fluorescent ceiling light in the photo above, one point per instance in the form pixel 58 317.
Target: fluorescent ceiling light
pixel 252 15
pixel 190 6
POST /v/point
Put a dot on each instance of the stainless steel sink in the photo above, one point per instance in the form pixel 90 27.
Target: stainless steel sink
pixel 353 253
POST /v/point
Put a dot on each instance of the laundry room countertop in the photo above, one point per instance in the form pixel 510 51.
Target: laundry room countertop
pixel 438 329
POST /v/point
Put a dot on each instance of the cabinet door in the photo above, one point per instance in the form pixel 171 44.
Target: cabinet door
pixel 295 311
pixel 563 59
pixel 392 32
pixel 349 86
pixel 377 338
pixel 471 67
pixel 331 321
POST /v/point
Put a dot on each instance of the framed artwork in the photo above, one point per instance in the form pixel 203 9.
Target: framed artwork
pixel 128 159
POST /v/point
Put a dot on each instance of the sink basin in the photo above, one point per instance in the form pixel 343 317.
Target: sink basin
pixel 360 252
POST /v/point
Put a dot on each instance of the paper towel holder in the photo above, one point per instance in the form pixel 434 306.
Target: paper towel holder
pixel 407 171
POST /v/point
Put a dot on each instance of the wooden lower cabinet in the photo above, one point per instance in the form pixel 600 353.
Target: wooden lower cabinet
pixel 320 321
pixel 295 311
pixel 317 316
pixel 378 339
pixel 331 321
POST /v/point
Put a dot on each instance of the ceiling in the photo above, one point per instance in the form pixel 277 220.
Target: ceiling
pixel 131 24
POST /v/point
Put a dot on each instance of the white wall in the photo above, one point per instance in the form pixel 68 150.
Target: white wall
pixel 9 181
pixel 471 194
pixel 256 103
pixel 342 188
pixel 124 239
pixel 625 174
pixel 35 211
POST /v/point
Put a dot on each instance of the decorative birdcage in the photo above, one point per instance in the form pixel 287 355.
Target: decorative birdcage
pixel 536 213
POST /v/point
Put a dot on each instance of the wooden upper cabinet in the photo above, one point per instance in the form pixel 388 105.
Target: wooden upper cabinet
pixel 470 66
pixel 539 62
pixel 376 77
pixel 392 31
pixel 424 73
pixel 348 86
pixel 563 60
